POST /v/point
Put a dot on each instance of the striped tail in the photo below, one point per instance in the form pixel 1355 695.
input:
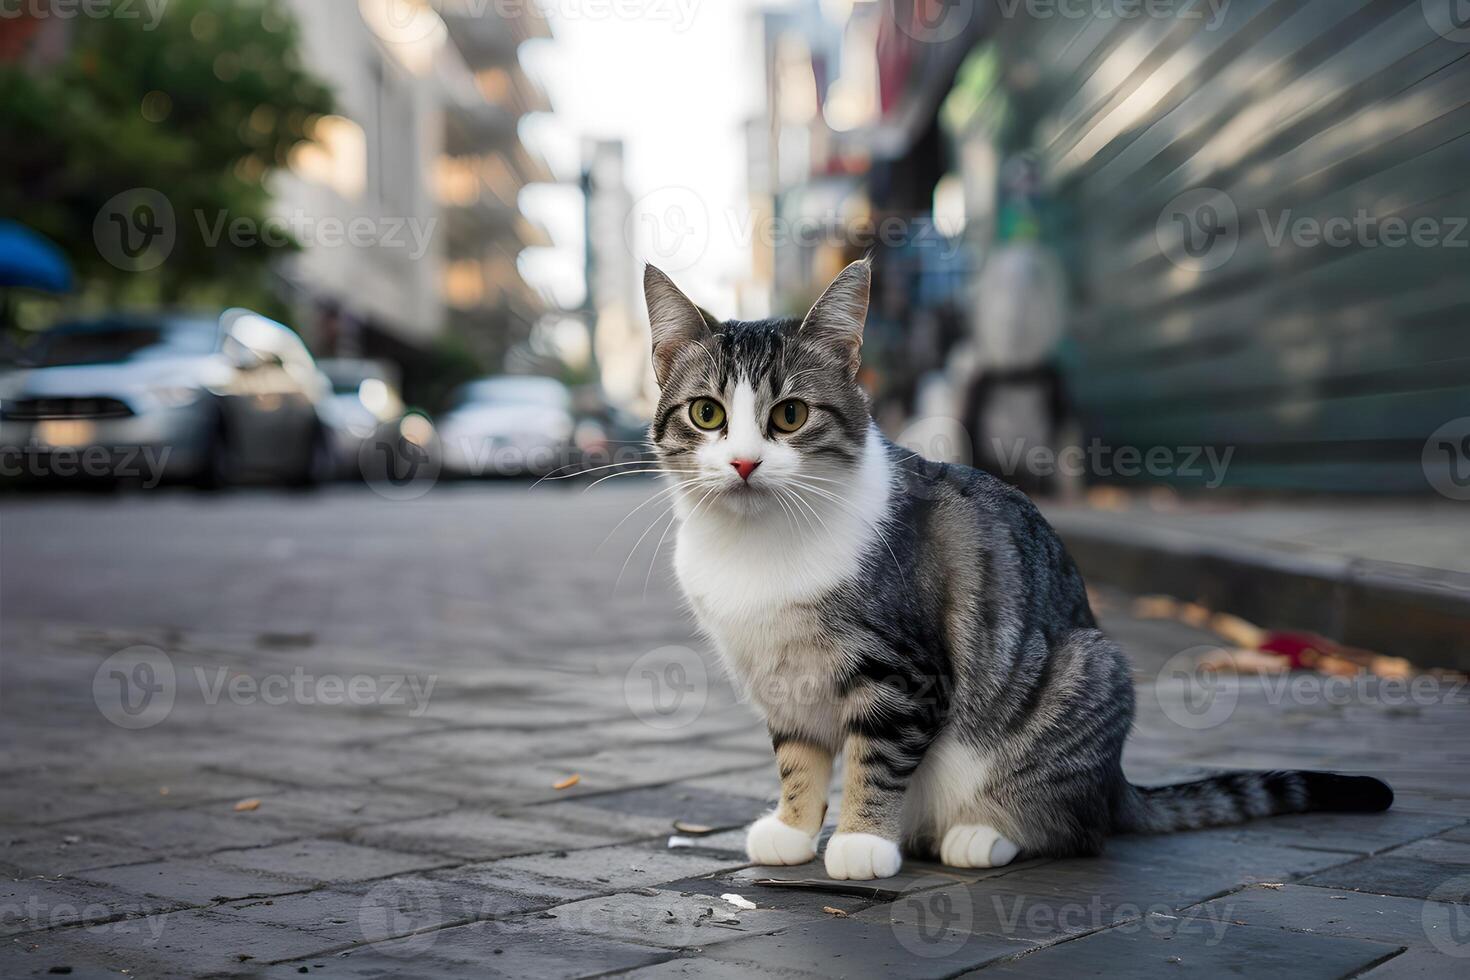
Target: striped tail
pixel 1235 797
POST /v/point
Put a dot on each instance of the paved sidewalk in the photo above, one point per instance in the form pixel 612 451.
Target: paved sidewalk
pixel 275 735
pixel 1389 575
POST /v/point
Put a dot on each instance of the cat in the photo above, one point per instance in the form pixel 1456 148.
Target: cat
pixel 920 618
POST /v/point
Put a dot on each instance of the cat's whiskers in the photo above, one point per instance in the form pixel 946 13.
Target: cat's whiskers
pixel 672 488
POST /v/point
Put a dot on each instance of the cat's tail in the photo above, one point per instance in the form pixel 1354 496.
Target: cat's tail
pixel 1235 797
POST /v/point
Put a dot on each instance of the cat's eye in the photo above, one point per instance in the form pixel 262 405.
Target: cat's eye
pixel 790 415
pixel 706 413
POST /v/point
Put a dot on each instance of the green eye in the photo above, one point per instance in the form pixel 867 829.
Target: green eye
pixel 790 415
pixel 706 413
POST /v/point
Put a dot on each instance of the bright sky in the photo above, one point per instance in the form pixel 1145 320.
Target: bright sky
pixel 676 85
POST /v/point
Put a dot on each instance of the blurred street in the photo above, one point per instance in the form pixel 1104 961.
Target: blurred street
pixel 265 734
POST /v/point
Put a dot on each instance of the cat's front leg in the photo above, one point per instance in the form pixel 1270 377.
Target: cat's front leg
pixel 789 836
pixel 866 843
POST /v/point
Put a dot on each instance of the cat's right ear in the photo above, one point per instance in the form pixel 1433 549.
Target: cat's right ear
pixel 673 319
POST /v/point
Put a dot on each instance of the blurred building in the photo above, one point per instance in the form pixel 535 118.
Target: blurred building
pixel 613 304
pixel 422 168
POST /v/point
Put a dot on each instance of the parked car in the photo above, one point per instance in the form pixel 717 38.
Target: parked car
pixel 506 426
pixel 213 399
pixel 364 406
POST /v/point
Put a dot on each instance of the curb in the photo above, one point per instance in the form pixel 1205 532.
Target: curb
pixel 1420 614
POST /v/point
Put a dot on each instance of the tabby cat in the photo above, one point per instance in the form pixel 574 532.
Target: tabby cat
pixel 919 618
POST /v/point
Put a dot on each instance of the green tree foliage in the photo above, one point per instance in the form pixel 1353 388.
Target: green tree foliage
pixel 201 107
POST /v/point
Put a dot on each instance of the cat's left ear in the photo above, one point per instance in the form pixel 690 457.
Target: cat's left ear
pixel 836 319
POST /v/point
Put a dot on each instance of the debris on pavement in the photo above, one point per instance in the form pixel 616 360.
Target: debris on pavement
pixel 693 829
pixel 737 901
pixel 567 783
pixel 839 913
pixel 245 806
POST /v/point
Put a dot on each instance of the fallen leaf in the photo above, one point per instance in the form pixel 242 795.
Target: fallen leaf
pixel 245 806
pixel 685 827
pixel 1237 630
pixel 1155 607
pixel 837 912
pixel 737 901
pixel 567 783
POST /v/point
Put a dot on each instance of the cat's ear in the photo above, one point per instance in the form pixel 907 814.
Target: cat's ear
pixel 673 319
pixel 836 319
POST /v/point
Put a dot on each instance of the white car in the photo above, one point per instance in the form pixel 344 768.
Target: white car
pixel 507 426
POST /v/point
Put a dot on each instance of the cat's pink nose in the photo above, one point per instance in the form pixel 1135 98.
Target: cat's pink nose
pixel 745 467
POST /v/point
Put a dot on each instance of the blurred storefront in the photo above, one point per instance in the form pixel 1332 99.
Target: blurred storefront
pixel 1118 230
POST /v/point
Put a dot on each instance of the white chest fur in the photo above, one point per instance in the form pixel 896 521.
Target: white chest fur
pixel 754 581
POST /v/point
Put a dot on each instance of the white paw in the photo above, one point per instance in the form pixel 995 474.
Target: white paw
pixel 770 841
pixel 858 857
pixel 976 845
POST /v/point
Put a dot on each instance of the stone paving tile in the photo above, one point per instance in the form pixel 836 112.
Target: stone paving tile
pixel 703 968
pixel 188 943
pixel 191 831
pixel 199 881
pixel 1388 874
pixel 1163 946
pixel 681 802
pixel 672 920
pixel 1357 833
pixel 35 904
pixel 327 861
pixel 521 947
pixel 1332 912
pixel 837 947
pixel 481 834
pixel 608 869
pixel 49 851
pixel 1417 965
